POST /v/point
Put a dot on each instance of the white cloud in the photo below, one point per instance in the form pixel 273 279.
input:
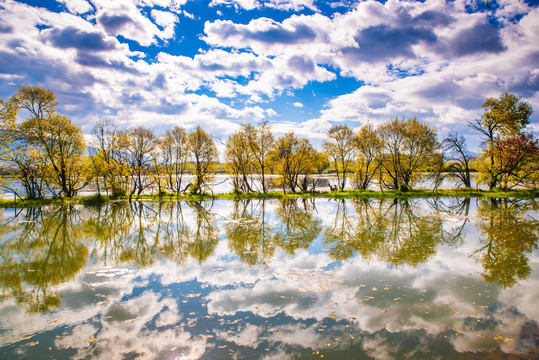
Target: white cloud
pixel 166 4
pixel 285 5
pixel 77 6
pixel 167 20
pixel 124 18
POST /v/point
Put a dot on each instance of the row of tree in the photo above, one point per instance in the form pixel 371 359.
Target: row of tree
pixel 47 152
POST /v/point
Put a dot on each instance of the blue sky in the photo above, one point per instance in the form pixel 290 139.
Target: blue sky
pixel 301 65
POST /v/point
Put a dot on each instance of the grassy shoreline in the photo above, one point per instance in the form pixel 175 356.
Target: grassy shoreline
pixel 348 194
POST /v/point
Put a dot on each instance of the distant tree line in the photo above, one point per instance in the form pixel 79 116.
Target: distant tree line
pixel 47 153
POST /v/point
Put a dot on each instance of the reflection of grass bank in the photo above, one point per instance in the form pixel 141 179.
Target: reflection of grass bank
pixel 348 194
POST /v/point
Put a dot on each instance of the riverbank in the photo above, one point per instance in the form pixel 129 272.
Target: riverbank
pixel 347 194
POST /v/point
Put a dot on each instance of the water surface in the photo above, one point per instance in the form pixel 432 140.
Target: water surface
pixel 366 279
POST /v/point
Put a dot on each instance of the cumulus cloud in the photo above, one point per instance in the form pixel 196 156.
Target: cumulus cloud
pixel 125 19
pixel 77 38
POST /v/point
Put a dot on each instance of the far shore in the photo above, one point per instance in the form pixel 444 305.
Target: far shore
pixel 347 194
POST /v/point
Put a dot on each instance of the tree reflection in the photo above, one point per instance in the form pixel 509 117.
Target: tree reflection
pixel 140 232
pixel 298 226
pixel 455 213
pixel 509 235
pixel 396 231
pixel 174 232
pixel 124 232
pixel 45 250
pixel 249 236
pixel 205 235
pixel 342 233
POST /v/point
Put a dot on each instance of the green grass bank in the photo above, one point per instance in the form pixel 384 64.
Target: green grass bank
pixel 348 194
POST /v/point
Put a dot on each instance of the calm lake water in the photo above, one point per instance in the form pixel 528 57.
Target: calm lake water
pixel 223 184
pixel 375 279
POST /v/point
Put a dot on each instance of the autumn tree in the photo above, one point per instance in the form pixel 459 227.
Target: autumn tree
pixel 340 149
pixel 503 117
pixel 18 157
pixel 368 145
pixel 52 135
pixel 138 145
pixel 516 160
pixel 64 146
pixel 260 141
pixel 240 160
pixel 107 165
pixel 294 159
pixel 203 154
pixel 173 146
pixel 407 147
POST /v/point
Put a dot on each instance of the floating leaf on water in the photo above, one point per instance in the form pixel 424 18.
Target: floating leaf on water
pixel 34 343
pixel 502 338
